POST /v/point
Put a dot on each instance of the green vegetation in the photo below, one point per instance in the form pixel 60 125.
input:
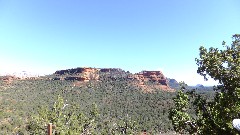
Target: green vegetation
pixel 212 116
pixel 28 105
pixel 122 107
pixel 68 120
pixel 113 105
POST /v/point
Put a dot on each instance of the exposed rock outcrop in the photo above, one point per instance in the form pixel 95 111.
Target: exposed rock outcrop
pixel 153 76
pixel 156 77
pixel 76 71
pixel 86 74
pixel 79 74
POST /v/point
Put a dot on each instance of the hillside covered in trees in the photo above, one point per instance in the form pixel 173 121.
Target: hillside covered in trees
pixel 121 98
pixel 112 101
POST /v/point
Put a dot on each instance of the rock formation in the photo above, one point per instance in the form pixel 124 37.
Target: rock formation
pixel 155 77
pixel 86 74
pixel 79 74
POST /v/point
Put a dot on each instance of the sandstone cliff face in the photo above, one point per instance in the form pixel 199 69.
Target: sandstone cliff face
pixel 153 76
pixel 156 77
pixel 86 74
pixel 76 71
pixel 78 74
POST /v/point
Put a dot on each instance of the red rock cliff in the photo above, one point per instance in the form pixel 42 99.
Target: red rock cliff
pixel 86 73
pixel 153 76
pixel 79 74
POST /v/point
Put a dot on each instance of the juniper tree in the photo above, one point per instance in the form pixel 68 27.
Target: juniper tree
pixel 214 117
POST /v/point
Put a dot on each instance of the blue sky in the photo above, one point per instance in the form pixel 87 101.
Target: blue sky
pixel 44 36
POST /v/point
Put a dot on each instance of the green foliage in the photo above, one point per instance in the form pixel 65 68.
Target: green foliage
pixel 66 118
pixel 118 101
pixel 215 116
pixel 179 115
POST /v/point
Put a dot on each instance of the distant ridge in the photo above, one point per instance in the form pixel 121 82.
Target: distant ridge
pixel 22 74
pixel 86 74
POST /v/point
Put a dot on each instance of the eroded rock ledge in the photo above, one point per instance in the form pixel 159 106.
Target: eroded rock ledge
pixel 86 74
